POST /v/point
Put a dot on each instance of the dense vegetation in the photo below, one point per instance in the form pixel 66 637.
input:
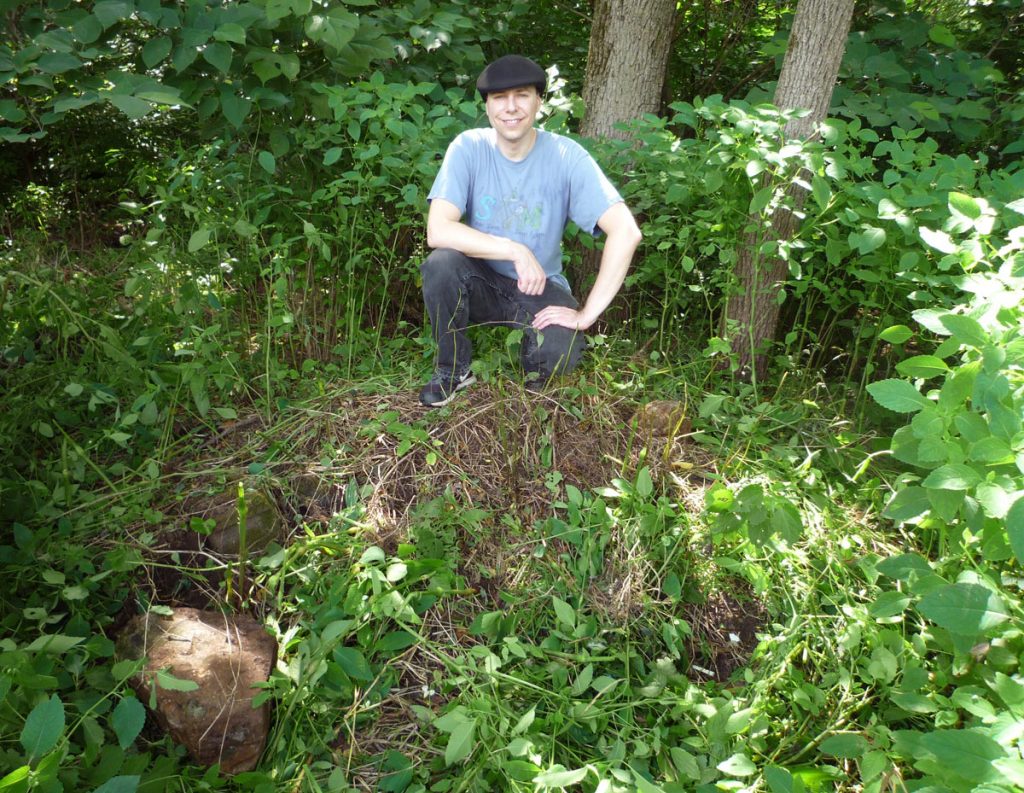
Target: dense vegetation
pixel 212 219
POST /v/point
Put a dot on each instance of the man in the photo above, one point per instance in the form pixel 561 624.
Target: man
pixel 498 210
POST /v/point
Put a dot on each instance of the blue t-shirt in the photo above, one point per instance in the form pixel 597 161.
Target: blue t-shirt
pixel 529 201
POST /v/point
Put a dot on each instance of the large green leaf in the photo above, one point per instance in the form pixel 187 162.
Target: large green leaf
pixel 58 62
pixel 963 608
pixel 953 476
pixel 460 742
pixel 907 504
pixel 155 50
pixel 128 719
pixel 966 753
pixel 119 784
pixel 218 54
pixel 235 108
pixel 922 366
pixel 43 727
pixel 1015 528
pixel 898 396
pixel 965 330
pixel 110 12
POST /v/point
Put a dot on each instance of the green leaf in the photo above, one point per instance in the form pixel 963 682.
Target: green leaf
pixel 230 31
pixel 267 162
pixel 685 763
pixel 17 780
pixel 218 54
pixel 759 201
pixel 564 611
pixel 332 155
pixel 964 205
pixel 43 727
pixel 198 239
pixel 922 366
pixel 965 330
pixel 559 777
pixel 119 784
pixel 963 608
pixel 167 681
pixel 87 29
pixel 871 239
pixel 128 719
pixel 898 396
pixel 940 34
pixel 644 485
pixel 353 663
pixel 896 334
pixel 953 476
pixel 968 753
pixel 336 29
pixel 460 743
pixel 909 503
pixel 901 567
pixel 737 765
pixel 235 108
pixel 1015 528
pixel 155 50
pixel 131 106
pixel 846 745
pixel 110 12
pixel 58 62
pixel 939 240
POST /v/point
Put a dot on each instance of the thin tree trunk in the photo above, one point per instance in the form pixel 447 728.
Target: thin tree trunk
pixel 813 56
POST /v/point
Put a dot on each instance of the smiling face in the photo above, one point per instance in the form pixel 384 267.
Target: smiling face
pixel 512 113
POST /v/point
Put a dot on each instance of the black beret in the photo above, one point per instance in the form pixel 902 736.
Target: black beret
pixel 511 71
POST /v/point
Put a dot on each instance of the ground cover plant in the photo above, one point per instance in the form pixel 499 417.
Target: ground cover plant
pixel 655 576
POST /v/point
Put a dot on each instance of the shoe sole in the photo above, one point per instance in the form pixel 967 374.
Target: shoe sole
pixel 464 384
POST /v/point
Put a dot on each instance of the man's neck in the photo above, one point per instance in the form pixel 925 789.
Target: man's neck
pixel 518 150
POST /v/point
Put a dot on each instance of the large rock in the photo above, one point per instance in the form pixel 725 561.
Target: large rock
pixel 224 655
pixel 663 417
pixel 263 523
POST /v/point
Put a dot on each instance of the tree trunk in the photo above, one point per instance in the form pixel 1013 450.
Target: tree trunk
pixel 813 55
pixel 630 41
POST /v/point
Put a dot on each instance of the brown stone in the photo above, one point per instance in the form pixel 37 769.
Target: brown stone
pixel 263 523
pixel 225 655
pixel 664 418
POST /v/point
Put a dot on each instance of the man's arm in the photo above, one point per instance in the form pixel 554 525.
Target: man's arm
pixel 622 238
pixel 445 229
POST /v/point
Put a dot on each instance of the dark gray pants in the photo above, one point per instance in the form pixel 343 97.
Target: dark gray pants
pixel 459 291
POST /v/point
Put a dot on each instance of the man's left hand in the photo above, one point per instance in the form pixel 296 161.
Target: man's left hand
pixel 560 315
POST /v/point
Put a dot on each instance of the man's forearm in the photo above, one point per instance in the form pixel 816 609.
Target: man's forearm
pixel 618 253
pixel 464 239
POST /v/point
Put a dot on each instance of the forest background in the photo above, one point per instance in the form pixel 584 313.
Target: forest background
pixel 721 556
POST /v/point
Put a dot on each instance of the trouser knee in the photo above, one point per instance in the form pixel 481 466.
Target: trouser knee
pixel 441 269
pixel 553 351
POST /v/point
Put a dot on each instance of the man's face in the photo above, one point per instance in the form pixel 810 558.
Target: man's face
pixel 512 112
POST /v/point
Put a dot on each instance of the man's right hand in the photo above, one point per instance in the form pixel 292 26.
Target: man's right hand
pixel 531 274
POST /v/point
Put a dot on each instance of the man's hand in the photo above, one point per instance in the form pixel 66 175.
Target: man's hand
pixel 561 315
pixel 531 274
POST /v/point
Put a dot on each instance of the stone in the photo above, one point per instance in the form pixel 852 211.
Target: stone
pixel 664 418
pixel 263 523
pixel 225 656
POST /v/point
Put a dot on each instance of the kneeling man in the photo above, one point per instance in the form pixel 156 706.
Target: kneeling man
pixel 498 210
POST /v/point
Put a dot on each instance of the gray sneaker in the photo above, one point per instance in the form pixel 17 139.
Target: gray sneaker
pixel 443 387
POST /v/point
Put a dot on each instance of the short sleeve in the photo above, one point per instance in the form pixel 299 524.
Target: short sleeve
pixel 452 181
pixel 591 194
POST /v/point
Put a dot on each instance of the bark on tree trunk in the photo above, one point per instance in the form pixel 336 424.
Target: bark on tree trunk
pixel 630 42
pixel 809 69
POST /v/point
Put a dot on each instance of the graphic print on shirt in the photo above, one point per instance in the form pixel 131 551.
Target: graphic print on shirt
pixel 511 215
